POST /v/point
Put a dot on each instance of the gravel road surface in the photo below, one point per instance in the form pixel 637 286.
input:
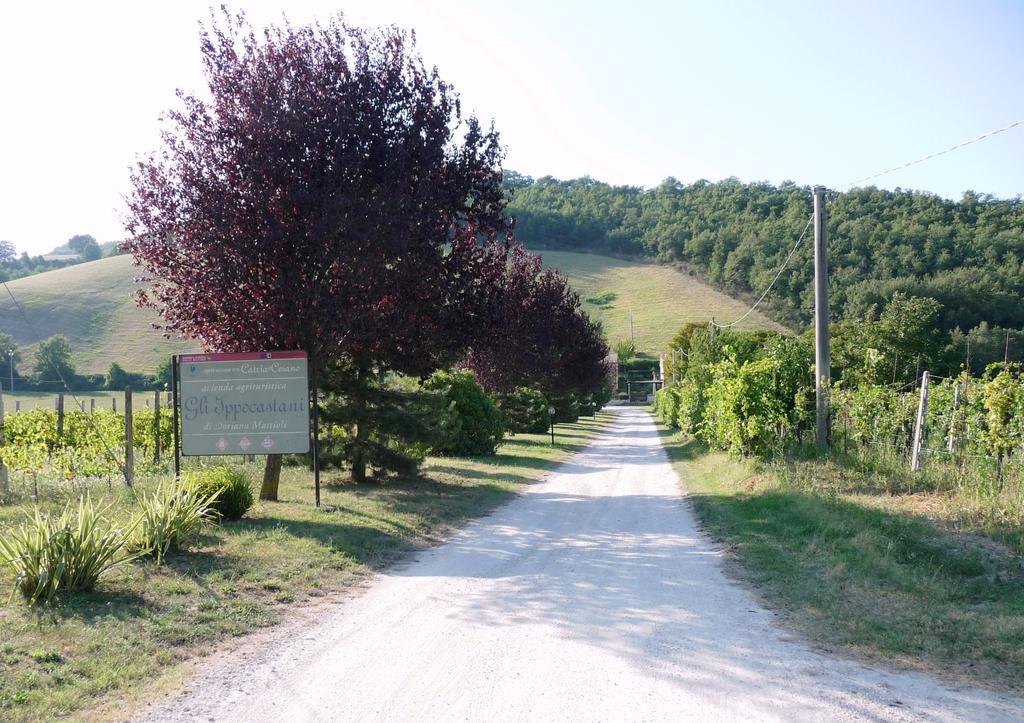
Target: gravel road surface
pixel 593 596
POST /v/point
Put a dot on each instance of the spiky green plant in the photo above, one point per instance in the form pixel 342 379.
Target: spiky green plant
pixel 233 488
pixel 171 514
pixel 63 553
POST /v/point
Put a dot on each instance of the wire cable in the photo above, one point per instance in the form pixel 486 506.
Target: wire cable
pixel 936 154
pixel 782 268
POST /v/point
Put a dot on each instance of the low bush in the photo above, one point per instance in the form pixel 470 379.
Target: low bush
pixel 587 406
pixel 743 413
pixel 602 396
pixel 229 488
pixel 567 409
pixel 475 425
pixel 666 405
pixel 171 514
pixel 524 411
pixel 67 552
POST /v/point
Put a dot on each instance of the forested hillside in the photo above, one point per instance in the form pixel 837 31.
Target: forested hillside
pixel 965 254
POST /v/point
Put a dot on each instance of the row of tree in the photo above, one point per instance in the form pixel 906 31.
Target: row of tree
pixel 967 255
pixel 15 266
pixel 327 194
pixel 53 369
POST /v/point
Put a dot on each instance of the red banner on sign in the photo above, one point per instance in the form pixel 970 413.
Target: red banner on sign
pixel 244 356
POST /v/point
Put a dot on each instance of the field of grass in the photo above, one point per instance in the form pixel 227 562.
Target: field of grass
pixel 24 401
pixel 102 653
pixel 903 577
pixel 93 305
pixel 659 299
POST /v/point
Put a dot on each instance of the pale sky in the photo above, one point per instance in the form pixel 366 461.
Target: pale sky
pixel 814 92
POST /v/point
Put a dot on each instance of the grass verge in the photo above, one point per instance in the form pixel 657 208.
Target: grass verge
pixel 142 622
pixel 882 576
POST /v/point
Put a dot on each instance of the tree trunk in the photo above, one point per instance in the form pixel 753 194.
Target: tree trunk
pixel 359 467
pixel 271 478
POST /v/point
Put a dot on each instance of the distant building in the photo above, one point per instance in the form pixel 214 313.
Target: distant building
pixel 62 257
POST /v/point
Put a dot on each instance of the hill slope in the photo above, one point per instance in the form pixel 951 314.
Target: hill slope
pixel 93 305
pixel 968 255
pixel 659 299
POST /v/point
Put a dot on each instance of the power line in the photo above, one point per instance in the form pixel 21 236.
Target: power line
pixel 936 154
pixel 777 275
pixel 110 453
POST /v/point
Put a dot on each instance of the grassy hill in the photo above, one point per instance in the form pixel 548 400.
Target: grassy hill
pixel 93 305
pixel 658 298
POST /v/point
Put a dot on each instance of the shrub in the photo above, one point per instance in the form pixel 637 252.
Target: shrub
pixel 743 413
pixel 626 350
pixel 68 552
pixel 524 411
pixel 690 410
pixel 476 427
pixel 171 514
pixel 602 396
pixel 229 488
pixel 567 409
pixel 666 404
pixel 587 406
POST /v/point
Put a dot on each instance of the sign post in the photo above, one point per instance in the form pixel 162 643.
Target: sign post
pixel 243 404
pixel 174 416
pixel 315 397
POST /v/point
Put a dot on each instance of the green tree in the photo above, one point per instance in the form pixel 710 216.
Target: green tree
pixel 967 255
pixel 476 426
pixel 907 333
pixel 385 426
pixel 52 361
pixel 85 246
pixel 162 377
pixel 117 377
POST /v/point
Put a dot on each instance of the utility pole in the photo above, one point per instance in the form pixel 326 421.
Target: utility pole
pixel 822 355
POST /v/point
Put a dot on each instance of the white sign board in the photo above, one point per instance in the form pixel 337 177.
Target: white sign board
pixel 244 403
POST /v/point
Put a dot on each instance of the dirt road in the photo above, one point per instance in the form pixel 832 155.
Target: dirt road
pixel 593 596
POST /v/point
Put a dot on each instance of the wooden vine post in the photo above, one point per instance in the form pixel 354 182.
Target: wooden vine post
pixel 129 446
pixel 156 426
pixel 922 413
pixel 951 442
pixel 4 484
